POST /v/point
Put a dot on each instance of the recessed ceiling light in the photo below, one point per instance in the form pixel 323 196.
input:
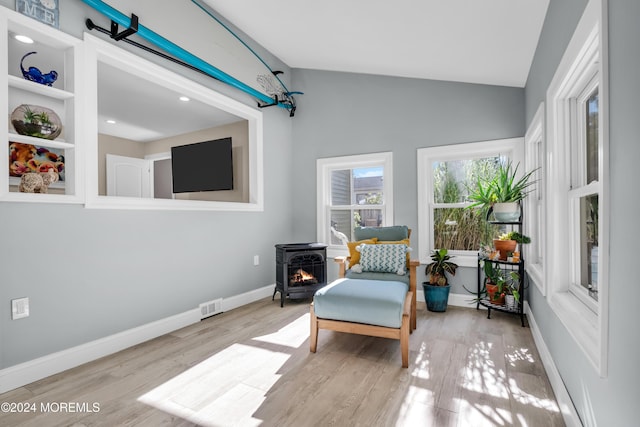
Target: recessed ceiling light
pixel 111 122
pixel 184 99
pixel 23 39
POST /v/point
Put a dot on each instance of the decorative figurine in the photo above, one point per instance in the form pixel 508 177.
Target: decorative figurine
pixel 35 75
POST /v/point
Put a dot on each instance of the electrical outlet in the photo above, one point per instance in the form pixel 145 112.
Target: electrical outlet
pixel 19 308
pixel 256 260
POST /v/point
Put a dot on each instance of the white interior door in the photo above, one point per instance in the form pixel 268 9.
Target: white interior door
pixel 128 177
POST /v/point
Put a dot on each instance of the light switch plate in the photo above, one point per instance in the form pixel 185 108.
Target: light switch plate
pixel 19 308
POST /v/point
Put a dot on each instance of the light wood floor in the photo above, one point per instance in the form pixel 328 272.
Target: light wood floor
pixel 252 366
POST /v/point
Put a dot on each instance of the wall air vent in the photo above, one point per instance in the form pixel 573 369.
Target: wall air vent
pixel 210 308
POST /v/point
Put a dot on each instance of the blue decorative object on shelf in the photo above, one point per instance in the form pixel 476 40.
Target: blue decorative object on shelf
pixel 35 75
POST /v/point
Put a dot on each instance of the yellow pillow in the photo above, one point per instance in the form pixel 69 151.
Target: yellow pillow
pixel 354 254
pixel 398 242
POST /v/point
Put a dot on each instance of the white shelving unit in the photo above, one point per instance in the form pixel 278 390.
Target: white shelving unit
pixel 55 51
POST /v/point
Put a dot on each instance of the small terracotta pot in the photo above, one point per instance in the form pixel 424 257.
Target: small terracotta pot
pixel 494 297
pixel 504 247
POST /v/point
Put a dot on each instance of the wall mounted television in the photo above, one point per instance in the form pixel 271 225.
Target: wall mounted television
pixel 203 166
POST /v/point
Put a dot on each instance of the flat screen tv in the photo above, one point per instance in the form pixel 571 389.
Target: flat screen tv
pixel 204 166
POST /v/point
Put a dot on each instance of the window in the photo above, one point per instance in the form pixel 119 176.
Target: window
pixel 576 270
pixel 535 206
pixel 353 191
pixel 583 196
pixel 444 175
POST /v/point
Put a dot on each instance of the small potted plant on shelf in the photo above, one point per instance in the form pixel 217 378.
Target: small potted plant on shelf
pixel 506 243
pixel 495 283
pixel 502 194
pixel 436 290
pixel 511 291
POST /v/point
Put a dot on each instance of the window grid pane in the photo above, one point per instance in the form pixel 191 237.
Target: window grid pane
pixel 341 187
pixel 367 186
pixel 589 244
pixel 458 228
pixel 461 229
pixel 591 112
pixel 340 230
pixel 452 179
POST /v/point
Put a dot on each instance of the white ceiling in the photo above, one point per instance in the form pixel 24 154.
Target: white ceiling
pixel 145 111
pixel 475 41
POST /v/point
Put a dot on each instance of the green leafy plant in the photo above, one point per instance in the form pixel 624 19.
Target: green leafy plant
pixel 512 285
pixel 507 284
pixel 30 116
pixel 504 187
pixel 439 266
pixel 514 235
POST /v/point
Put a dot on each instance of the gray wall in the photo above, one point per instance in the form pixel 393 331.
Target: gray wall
pixel 343 114
pixel 92 273
pixel 610 401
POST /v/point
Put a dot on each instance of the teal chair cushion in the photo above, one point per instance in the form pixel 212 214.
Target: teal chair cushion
pixel 391 233
pixel 372 302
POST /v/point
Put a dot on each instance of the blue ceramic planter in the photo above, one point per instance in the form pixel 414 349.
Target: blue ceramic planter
pixel 436 297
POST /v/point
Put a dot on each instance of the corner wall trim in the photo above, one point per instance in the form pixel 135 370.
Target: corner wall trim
pixel 567 409
pixel 42 367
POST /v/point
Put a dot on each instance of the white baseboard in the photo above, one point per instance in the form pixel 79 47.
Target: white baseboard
pixel 42 367
pixel 247 297
pixel 567 409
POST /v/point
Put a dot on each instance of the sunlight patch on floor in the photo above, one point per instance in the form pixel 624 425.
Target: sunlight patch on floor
pixel 484 415
pixel 292 335
pixel 528 399
pixel 521 354
pixel 421 363
pixel 225 389
pixel 481 374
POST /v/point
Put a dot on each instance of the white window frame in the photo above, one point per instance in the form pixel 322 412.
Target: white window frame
pixel 534 220
pixel 513 148
pixel 97 50
pixel 324 167
pixel 585 57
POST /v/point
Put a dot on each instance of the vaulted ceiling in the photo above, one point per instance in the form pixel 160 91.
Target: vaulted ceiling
pixel 476 41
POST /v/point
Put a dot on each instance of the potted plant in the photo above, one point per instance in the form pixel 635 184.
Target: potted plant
pixel 436 291
pixel 495 283
pixel 502 194
pixel 506 243
pixel 511 290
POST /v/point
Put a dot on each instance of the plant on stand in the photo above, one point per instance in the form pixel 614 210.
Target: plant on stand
pixel 502 194
pixel 501 288
pixel 495 283
pixel 436 291
pixel 511 291
pixel 506 243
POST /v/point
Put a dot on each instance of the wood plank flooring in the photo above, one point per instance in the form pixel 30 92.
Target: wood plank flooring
pixel 252 366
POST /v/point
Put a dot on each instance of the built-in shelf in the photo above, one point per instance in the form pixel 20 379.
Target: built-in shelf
pixel 39 89
pixel 56 51
pixel 41 142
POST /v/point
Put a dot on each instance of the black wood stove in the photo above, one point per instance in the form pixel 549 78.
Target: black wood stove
pixel 301 270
